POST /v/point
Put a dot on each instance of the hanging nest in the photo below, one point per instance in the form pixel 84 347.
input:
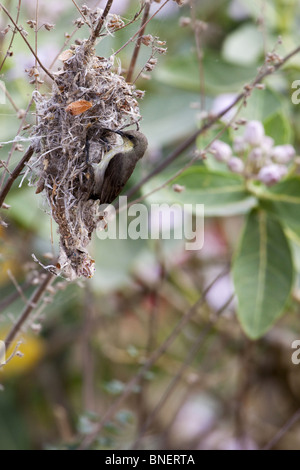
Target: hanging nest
pixel 87 99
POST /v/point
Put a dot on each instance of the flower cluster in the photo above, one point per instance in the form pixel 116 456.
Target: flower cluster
pixel 254 155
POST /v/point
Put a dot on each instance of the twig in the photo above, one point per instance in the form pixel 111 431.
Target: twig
pixel 96 32
pixel 89 439
pixel 80 12
pixel 29 307
pixel 283 430
pixel 12 297
pixel 14 145
pixel 27 43
pixel 142 28
pixel 14 174
pixel 12 38
pixel 63 46
pixel 133 19
pixel 15 283
pixel 9 97
pixel 138 43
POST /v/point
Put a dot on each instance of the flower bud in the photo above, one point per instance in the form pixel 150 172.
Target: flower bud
pixel 267 144
pixel 236 165
pixel 221 151
pixel 255 154
pixel 254 133
pixel 271 174
pixel 283 153
pixel 239 145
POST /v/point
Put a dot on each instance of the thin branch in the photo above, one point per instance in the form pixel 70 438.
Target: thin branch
pixel 133 19
pixel 13 297
pixel 89 439
pixel 283 430
pixel 80 12
pixel 12 38
pixel 14 145
pixel 138 43
pixel 63 46
pixel 14 174
pixel 142 28
pixel 27 43
pixel 9 97
pixel 29 307
pixel 212 120
pixel 15 283
pixel 96 33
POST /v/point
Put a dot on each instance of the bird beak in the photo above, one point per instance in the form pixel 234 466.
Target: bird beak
pixel 115 132
pixel 119 133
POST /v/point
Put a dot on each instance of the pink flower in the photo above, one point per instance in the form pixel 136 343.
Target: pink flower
pixel 271 174
pixel 221 151
pixel 236 165
pixel 254 133
pixel 283 153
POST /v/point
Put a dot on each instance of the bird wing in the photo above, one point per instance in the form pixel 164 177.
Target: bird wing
pixel 116 176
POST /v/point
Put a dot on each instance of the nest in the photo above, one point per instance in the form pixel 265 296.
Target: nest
pixel 87 99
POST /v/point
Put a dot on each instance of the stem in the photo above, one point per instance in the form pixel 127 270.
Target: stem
pixel 142 28
pixel 12 38
pixel 27 43
pixel 14 145
pixel 29 307
pixel 138 44
pixel 96 33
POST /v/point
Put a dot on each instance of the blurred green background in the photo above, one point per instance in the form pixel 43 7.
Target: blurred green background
pixel 89 337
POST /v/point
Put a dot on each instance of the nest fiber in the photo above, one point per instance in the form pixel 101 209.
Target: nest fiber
pixel 87 99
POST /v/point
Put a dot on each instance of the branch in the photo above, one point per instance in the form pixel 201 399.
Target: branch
pixel 12 38
pixel 138 44
pixel 14 144
pixel 14 174
pixel 29 307
pixel 96 33
pixel 12 297
pixel 142 28
pixel 27 43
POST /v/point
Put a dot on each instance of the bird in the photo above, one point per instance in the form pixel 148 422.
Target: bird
pixel 117 165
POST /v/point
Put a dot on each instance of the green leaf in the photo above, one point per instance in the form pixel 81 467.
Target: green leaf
pixel 167 116
pixel 221 193
pixel 245 38
pixel 283 200
pixel 263 273
pixel 262 104
pixel 182 72
pixel 278 127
